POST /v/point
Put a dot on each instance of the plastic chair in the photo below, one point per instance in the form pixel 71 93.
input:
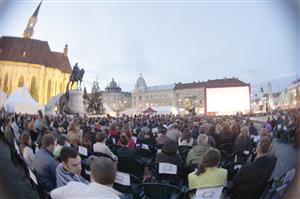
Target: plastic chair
pixel 183 151
pixel 158 191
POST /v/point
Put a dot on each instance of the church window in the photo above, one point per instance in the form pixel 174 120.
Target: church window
pixel 21 82
pixel 5 83
pixel 33 89
pixel 24 54
pixel 49 90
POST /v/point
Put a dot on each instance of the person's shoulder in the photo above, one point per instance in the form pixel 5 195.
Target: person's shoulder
pixel 222 170
pixel 192 174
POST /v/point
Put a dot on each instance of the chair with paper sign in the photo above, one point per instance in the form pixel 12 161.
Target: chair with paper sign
pixel 168 173
pixel 126 183
pixel 204 193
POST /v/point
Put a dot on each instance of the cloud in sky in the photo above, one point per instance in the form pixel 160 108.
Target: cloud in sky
pixel 166 41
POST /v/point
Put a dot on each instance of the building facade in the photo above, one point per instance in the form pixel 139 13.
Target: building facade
pixel 146 96
pixel 190 97
pixel 293 94
pixel 115 99
pixel 30 62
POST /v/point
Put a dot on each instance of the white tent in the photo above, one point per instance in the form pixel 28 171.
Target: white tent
pixel 20 101
pixel 109 111
pixel 165 110
pixel 131 111
pixel 52 103
pixel 3 99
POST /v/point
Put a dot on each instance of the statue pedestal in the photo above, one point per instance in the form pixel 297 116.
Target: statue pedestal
pixel 76 101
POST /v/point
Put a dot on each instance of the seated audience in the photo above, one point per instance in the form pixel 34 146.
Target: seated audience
pixel 208 174
pixel 162 138
pixel 198 150
pixel 61 142
pixel 243 144
pixel 70 167
pixel 101 147
pixel 226 136
pixel 103 174
pixel 170 155
pixel 44 163
pixel 186 138
pixel 28 154
pixel 174 133
pixel 255 173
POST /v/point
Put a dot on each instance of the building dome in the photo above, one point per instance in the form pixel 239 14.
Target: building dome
pixel 140 84
pixel 113 84
pixel 113 87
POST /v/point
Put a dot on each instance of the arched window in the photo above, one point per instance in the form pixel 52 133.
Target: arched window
pixel 61 88
pixel 21 81
pixel 49 90
pixel 33 89
pixel 5 83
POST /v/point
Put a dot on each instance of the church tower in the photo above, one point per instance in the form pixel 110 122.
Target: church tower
pixel 28 32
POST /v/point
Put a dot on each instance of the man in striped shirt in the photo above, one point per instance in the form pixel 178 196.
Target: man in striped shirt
pixel 70 167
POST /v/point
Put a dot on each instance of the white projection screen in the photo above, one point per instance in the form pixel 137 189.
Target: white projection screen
pixel 227 100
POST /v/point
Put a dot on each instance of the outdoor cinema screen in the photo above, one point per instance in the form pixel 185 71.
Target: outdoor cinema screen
pixel 227 100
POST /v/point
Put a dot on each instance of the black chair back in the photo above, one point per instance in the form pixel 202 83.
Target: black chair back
pixel 125 188
pixel 183 151
pixel 158 191
pixel 232 169
pixel 228 147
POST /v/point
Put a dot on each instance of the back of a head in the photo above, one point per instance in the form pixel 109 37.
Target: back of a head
pixel 123 140
pixel 226 128
pixel 68 152
pixel 211 158
pixel 162 130
pixel 25 137
pixel 103 170
pixel 170 148
pixel 244 132
pixel 48 140
pixel 61 140
pixel 264 145
pixel 100 137
pixel 202 139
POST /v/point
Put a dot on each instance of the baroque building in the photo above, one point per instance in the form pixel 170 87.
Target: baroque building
pixel 190 97
pixel 146 96
pixel 31 63
pixel 115 99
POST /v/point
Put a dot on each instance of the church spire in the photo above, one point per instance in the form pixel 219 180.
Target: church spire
pixel 28 32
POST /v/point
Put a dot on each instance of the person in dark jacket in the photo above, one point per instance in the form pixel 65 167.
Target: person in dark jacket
pixel 225 136
pixel 252 129
pixel 162 138
pixel 169 155
pixel 243 144
pixel 44 163
pixel 251 179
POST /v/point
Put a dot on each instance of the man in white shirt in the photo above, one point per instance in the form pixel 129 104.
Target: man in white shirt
pixel 103 174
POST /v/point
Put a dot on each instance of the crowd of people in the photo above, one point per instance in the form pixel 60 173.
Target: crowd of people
pixel 81 156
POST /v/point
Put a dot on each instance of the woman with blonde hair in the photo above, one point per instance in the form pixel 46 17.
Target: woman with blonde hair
pixel 208 174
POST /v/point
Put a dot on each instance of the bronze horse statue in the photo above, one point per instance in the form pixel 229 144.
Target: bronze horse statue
pixel 76 76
